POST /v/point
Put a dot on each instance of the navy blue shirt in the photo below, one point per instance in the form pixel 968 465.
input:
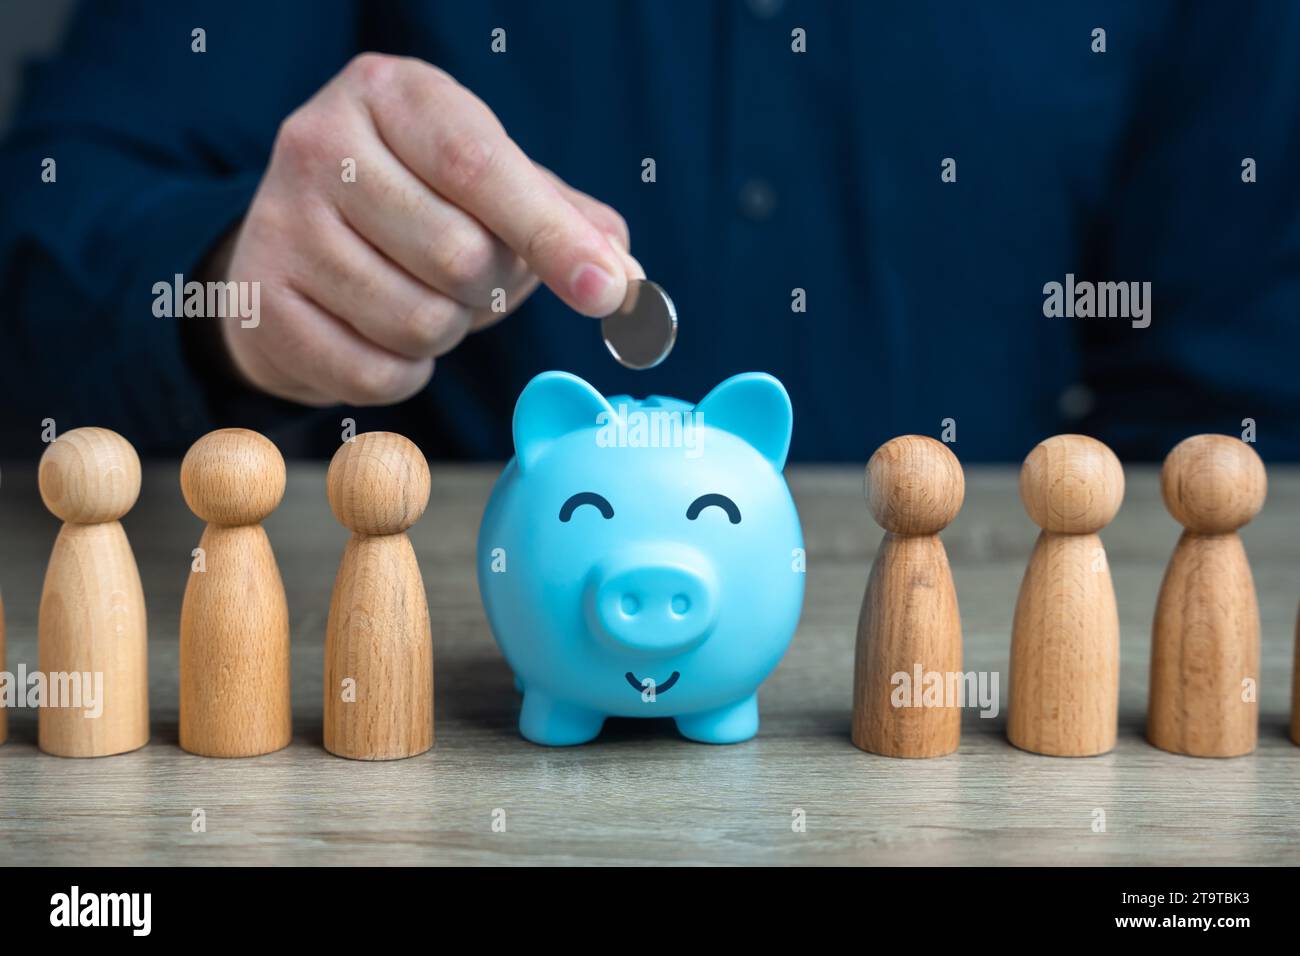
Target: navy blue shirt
pixel 775 171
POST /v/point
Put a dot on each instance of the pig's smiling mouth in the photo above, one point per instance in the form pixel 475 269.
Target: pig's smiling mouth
pixel 656 689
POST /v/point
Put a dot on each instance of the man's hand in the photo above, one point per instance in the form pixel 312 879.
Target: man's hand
pixel 363 283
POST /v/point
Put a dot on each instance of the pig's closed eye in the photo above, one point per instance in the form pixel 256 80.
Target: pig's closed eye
pixel 586 498
pixel 721 501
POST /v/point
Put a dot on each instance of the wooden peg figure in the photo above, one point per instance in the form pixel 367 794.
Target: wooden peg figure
pixel 1205 640
pixel 234 654
pixel 1295 687
pixel 378 645
pixel 92 614
pixel 909 623
pixel 4 712
pixel 1064 690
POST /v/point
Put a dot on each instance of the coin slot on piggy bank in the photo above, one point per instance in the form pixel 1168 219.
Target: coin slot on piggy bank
pixel 643 558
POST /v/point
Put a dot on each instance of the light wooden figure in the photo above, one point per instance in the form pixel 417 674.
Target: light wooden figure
pixel 4 712
pixel 378 645
pixel 92 613
pixel 909 623
pixel 1064 689
pixel 1205 640
pixel 234 652
pixel 1295 687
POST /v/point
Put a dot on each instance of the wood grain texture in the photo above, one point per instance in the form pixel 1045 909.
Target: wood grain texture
pixel 92 611
pixel 4 711
pixel 909 628
pixel 234 648
pixel 1065 633
pixel 640 793
pixel 1204 647
pixel 92 622
pixel 379 654
pixel 1295 686
pixel 89 475
pixel 1064 680
pixel 914 485
pixel 379 641
pixel 1213 484
pixel 909 624
pixel 1205 637
pixel 234 636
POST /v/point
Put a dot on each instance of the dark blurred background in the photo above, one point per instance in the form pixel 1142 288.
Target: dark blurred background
pixel 776 171
pixel 30 29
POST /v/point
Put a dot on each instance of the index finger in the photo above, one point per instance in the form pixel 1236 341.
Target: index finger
pixel 464 154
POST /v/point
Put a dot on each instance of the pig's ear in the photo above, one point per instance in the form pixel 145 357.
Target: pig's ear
pixel 552 405
pixel 753 406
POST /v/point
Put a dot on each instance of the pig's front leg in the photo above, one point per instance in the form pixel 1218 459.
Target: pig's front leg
pixel 544 720
pixel 725 725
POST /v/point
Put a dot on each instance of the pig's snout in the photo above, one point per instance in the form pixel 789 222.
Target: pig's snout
pixel 653 603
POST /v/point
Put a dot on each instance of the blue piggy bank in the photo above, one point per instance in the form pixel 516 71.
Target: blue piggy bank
pixel 643 558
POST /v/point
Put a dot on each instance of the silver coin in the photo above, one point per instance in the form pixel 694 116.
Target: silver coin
pixel 642 332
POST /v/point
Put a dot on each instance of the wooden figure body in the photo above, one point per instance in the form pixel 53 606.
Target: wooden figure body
pixel 92 614
pixel 1064 686
pixel 909 624
pixel 379 645
pixel 234 647
pixel 1295 688
pixel 1205 640
pixel 4 712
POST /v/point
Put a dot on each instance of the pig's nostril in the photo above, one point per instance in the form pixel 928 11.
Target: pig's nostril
pixel 681 604
pixel 631 604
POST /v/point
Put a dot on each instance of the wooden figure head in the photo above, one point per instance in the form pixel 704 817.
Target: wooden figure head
pixel 233 477
pixel 1213 484
pixel 1072 484
pixel 89 475
pixel 378 483
pixel 914 485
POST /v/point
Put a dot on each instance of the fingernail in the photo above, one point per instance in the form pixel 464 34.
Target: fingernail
pixel 591 285
pixel 634 269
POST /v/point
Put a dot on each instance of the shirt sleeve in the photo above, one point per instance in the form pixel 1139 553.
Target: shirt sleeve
pixel 133 151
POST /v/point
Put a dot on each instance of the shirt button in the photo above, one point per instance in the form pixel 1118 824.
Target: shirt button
pixel 765 9
pixel 757 200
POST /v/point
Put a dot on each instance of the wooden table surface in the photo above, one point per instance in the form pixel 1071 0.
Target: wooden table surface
pixel 641 793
